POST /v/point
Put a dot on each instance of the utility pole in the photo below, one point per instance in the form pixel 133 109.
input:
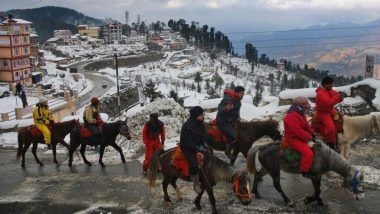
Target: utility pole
pixel 117 82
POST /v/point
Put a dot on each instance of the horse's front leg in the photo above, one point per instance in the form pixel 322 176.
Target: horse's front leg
pixel 197 200
pixel 235 153
pixel 82 152
pixel 258 177
pixel 277 185
pixel 211 196
pixel 54 148
pixel 26 147
pixel 102 147
pixel 34 151
pixel 115 146
pixel 317 192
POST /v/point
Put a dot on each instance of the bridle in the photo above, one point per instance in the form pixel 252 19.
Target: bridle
pixel 355 184
pixel 235 185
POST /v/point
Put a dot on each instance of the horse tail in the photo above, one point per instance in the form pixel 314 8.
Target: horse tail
pixel 251 159
pixel 20 145
pixel 153 169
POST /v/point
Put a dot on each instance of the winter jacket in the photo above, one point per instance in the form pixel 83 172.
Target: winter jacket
pixel 151 132
pixel 232 115
pixel 326 100
pixel 42 114
pixel 296 126
pixel 193 136
pixel 91 115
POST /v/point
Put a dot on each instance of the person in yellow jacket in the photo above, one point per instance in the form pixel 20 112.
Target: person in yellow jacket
pixel 42 117
pixel 92 120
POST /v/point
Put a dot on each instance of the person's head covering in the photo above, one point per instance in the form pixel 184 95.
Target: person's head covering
pixel 196 111
pixel 94 101
pixel 239 89
pixel 154 116
pixel 302 101
pixel 42 99
pixel 327 80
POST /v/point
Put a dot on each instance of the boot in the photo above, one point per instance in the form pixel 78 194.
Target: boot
pixel 49 147
pixel 229 148
pixel 196 186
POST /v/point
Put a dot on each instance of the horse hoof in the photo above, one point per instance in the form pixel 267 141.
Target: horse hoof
pixel 102 165
pixel 309 199
pixel 179 199
pixel 214 212
pixel 290 204
pixel 320 202
pixel 89 164
pixel 198 205
pixel 41 164
pixel 23 165
pixel 257 196
pixel 169 204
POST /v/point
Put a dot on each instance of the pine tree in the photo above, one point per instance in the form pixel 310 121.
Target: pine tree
pixel 199 89
pixel 150 91
pixel 232 86
pixel 258 92
pixel 213 93
pixel 192 86
pixel 207 86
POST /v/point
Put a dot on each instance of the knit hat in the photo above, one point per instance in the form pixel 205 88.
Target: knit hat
pixel 196 111
pixel 239 89
pixel 327 80
pixel 42 99
pixel 302 101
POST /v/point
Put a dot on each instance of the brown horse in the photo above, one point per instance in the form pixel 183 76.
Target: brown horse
pixel 58 133
pixel 247 134
pixel 107 138
pixel 212 171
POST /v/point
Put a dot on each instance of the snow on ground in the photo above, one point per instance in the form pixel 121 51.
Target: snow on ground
pixel 9 104
pixel 8 140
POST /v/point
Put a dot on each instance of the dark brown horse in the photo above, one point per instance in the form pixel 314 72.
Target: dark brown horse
pixel 108 138
pixel 247 134
pixel 58 133
pixel 213 170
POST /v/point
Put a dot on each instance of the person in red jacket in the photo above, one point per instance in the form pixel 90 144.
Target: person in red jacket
pixel 152 131
pixel 325 101
pixel 298 133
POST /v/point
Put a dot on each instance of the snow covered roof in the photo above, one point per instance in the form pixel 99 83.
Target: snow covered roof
pixel 53 39
pixel 18 21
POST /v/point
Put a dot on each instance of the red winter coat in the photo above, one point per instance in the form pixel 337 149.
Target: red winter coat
pixel 326 100
pixel 297 128
pixel 152 137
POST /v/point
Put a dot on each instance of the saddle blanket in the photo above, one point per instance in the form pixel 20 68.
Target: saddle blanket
pixel 180 162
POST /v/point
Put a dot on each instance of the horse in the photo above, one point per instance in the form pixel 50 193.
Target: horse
pixel 58 133
pixel 108 138
pixel 212 171
pixel 325 160
pixel 355 127
pixel 247 134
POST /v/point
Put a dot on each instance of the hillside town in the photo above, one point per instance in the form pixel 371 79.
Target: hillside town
pixel 147 72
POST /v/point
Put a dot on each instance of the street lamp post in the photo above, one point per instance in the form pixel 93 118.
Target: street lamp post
pixel 117 82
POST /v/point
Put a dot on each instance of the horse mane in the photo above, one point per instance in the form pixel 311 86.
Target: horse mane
pixel 220 170
pixel 65 122
pixel 257 127
pixel 358 124
pixel 334 160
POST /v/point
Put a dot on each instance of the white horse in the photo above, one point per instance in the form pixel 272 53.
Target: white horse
pixel 355 127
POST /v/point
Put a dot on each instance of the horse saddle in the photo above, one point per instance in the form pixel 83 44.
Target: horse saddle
pixel 180 163
pixel 287 152
pixel 216 134
pixel 84 132
pixel 35 132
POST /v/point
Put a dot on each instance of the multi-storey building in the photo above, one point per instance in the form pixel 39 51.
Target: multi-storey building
pixel 88 31
pixel 15 51
pixel 111 33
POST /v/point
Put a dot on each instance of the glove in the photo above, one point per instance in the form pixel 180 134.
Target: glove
pixel 311 144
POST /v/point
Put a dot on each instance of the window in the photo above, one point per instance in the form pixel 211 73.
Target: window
pixel 24 39
pixel 26 50
pixel 15 40
pixel 16 51
pixel 27 28
pixel 5 63
pixel 16 74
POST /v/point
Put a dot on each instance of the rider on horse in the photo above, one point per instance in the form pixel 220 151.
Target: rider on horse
pixel 298 133
pixel 193 138
pixel 325 101
pixel 43 117
pixel 151 138
pixel 92 119
pixel 228 114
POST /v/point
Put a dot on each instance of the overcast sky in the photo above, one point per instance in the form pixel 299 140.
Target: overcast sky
pixel 226 15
